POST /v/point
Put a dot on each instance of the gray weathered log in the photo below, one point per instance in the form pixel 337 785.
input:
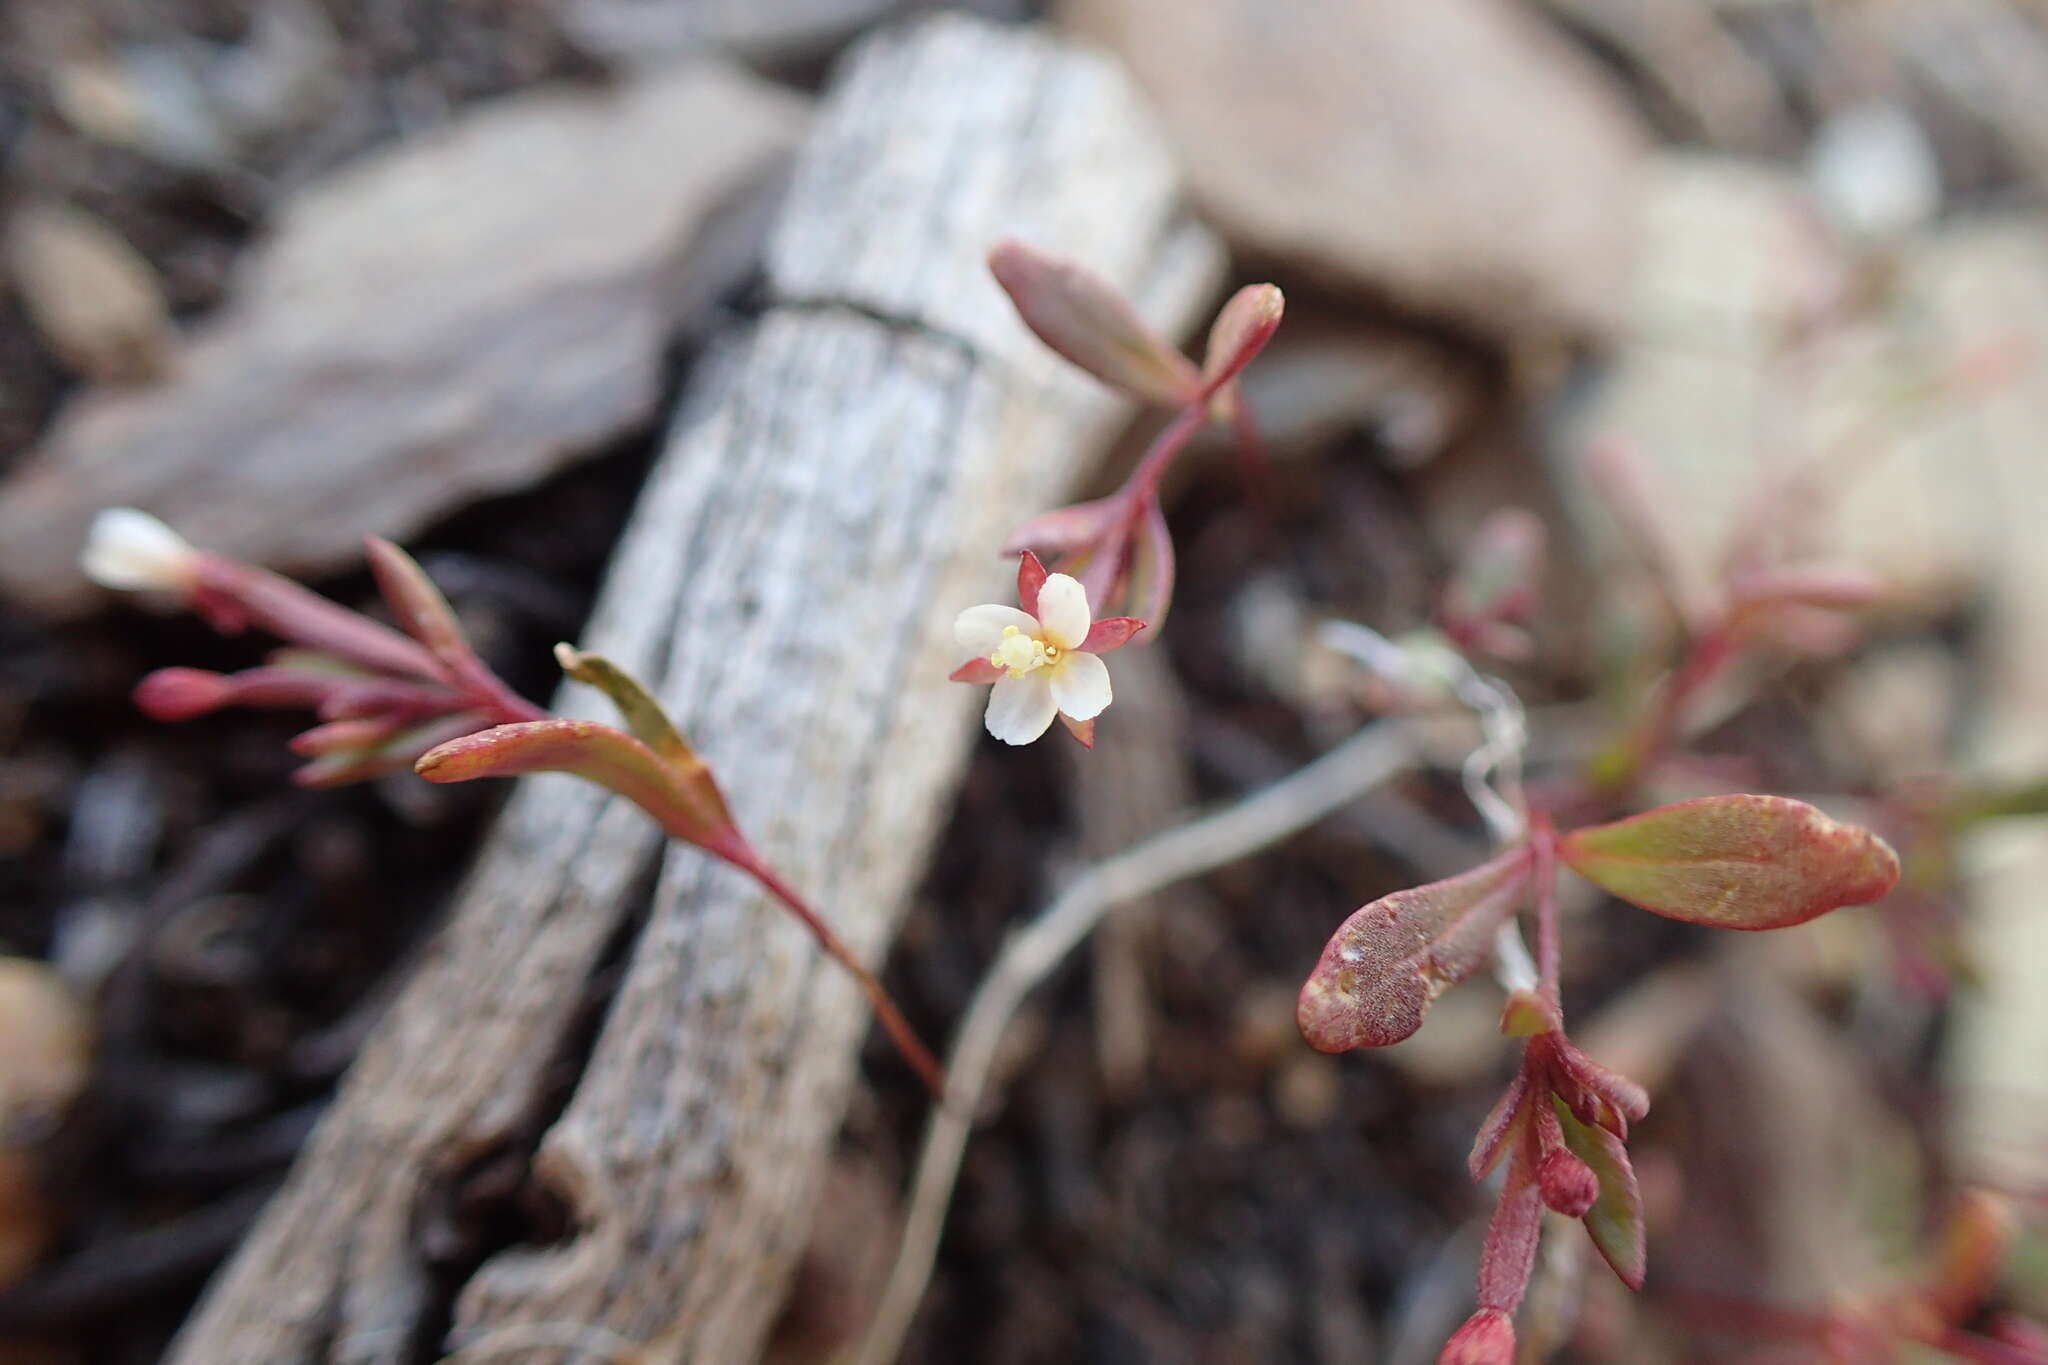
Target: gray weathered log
pixel 787 585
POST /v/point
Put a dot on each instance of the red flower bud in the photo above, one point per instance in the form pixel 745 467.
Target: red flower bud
pixel 1487 1338
pixel 182 693
pixel 1568 1184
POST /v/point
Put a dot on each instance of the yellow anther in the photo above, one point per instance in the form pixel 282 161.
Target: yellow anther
pixel 1018 653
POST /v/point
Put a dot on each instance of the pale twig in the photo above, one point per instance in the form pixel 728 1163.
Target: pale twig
pixel 1211 841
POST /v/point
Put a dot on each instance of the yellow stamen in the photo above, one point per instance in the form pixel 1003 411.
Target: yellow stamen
pixel 1019 653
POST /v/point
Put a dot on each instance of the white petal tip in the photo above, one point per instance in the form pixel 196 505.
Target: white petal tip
pixel 132 551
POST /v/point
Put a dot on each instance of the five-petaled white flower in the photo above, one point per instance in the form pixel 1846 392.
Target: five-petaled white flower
pixel 1043 659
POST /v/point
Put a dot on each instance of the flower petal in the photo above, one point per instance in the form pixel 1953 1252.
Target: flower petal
pixel 133 551
pixel 1080 684
pixel 978 630
pixel 1020 709
pixel 1063 611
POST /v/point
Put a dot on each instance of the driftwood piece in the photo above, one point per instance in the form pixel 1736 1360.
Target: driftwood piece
pixel 787 585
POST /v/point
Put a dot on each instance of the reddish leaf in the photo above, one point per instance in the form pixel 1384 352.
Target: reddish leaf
pixel 1240 332
pixel 234 595
pixel 342 736
pixel 1735 862
pixel 1085 319
pixel 1385 963
pixel 693 812
pixel 1833 586
pixel 1616 1218
pixel 395 754
pixel 1030 578
pixel 1068 529
pixel 1152 567
pixel 976 671
pixel 1597 1095
pixel 422 611
pixel 1111 632
pixel 1083 730
pixel 1501 1122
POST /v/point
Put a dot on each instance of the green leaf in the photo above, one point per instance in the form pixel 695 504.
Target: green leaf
pixel 1998 803
pixel 1386 962
pixel 1734 862
pixel 1616 1218
pixel 637 707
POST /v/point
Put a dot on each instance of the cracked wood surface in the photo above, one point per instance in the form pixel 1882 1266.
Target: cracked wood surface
pixel 829 496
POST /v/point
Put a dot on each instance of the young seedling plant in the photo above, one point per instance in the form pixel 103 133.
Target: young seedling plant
pixel 419 696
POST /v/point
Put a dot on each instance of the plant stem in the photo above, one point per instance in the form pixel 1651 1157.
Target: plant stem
pixel 1711 651
pixel 1543 840
pixel 893 1023
pixel 1144 480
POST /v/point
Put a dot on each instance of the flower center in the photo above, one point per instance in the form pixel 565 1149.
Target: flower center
pixel 1020 653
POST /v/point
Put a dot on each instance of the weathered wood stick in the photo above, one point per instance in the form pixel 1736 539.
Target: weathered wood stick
pixel 825 504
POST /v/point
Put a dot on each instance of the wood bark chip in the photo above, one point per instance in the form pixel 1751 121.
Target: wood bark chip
pixel 454 317
pixel 825 502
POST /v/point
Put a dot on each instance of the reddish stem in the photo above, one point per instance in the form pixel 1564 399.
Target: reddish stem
pixel 291 612
pixel 1144 480
pixel 1543 846
pixel 741 855
pixel 1711 652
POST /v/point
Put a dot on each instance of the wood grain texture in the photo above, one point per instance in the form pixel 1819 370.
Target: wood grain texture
pixel 827 501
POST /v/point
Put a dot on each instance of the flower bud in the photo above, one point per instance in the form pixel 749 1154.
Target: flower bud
pixel 182 693
pixel 134 552
pixel 1487 1338
pixel 1568 1183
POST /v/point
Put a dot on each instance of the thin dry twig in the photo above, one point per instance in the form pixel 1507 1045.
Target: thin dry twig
pixel 1347 772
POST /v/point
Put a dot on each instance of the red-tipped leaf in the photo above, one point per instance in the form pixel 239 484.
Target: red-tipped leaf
pixel 1240 332
pixel 1735 862
pixel 1503 1122
pixel 1067 530
pixel 1111 632
pixel 422 612
pixel 1385 963
pixel 693 812
pixel 1031 577
pixel 1085 319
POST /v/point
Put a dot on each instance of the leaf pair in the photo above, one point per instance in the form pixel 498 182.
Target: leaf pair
pixel 1083 317
pixel 653 767
pixel 1732 862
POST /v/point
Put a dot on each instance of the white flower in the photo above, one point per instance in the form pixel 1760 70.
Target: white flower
pixel 135 552
pixel 1042 659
